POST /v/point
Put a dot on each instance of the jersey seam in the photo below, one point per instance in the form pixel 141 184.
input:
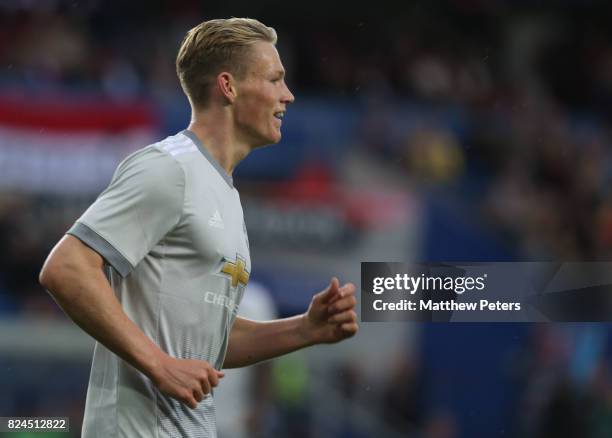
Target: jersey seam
pixel 161 280
pixel 180 166
pixel 116 396
pixel 163 263
pixel 182 213
pixel 157 417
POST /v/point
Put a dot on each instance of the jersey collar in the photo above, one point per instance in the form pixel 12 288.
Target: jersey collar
pixel 194 138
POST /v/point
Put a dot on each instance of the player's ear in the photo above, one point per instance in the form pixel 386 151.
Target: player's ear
pixel 227 85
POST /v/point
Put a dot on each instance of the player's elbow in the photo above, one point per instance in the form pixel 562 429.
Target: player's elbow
pixel 67 262
pixel 68 267
pixel 43 277
pixel 59 276
pixel 51 273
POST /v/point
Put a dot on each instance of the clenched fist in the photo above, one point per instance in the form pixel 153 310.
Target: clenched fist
pixel 331 315
pixel 185 380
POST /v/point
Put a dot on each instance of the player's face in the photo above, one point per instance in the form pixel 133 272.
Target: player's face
pixel 262 97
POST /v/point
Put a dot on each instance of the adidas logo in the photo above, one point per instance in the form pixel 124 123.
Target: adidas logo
pixel 216 221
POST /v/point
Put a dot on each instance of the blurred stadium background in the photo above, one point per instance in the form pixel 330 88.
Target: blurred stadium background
pixel 428 131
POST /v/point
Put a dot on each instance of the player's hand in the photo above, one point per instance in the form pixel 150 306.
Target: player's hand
pixel 331 315
pixel 186 380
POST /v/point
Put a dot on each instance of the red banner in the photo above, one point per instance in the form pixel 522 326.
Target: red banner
pixel 64 145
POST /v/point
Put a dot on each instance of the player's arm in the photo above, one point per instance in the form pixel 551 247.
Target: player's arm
pixel 74 277
pixel 330 318
pixel 143 202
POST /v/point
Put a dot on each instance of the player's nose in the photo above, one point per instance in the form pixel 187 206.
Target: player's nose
pixel 287 96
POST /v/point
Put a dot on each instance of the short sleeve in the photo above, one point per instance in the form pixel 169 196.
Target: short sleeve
pixel 143 202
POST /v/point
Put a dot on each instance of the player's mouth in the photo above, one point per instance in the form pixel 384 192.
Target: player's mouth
pixel 279 115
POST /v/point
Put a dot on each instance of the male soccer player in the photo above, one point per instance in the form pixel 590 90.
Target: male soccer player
pixel 156 267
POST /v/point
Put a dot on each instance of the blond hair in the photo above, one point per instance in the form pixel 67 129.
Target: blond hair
pixel 214 46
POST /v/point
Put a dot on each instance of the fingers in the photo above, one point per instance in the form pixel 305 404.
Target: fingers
pixel 208 381
pixel 344 291
pixel 213 379
pixel 206 385
pixel 348 289
pixel 349 329
pixel 214 376
pixel 334 292
pixel 198 395
pixel 342 304
pixel 190 381
pixel 343 317
pixel 331 291
pixel 189 399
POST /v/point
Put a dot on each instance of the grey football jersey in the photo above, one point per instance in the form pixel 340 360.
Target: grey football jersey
pixel 170 227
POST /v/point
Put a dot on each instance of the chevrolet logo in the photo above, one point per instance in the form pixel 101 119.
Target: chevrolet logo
pixel 236 271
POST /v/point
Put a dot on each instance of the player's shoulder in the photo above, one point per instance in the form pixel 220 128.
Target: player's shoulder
pixel 161 153
pixel 152 163
pixel 176 145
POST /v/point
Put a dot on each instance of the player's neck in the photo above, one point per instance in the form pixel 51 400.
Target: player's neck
pixel 216 134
